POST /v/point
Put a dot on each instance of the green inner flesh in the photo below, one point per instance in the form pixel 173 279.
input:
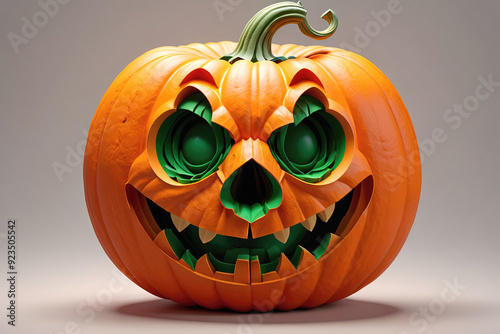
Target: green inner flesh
pixel 313 146
pixel 224 250
pixel 199 144
pixel 301 144
pixel 188 145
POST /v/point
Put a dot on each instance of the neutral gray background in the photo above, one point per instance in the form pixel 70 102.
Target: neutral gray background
pixel 433 51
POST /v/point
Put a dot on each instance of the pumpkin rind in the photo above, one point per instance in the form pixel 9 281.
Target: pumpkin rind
pixel 251 100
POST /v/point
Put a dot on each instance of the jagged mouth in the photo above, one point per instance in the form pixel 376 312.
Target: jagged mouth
pixel 252 260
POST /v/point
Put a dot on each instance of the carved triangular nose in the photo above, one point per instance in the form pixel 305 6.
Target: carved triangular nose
pixel 250 191
pixel 251 184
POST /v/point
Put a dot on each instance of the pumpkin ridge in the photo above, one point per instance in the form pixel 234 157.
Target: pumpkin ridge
pixel 203 49
pixel 112 109
pixel 103 228
pixel 389 107
pixel 396 246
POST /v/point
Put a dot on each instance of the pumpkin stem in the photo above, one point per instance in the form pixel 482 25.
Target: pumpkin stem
pixel 255 41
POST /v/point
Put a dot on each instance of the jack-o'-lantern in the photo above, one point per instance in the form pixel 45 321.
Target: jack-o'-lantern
pixel 252 176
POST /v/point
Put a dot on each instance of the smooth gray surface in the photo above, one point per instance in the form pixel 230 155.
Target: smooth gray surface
pixel 433 51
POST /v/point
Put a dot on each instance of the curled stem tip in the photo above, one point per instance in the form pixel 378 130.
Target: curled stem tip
pixel 256 40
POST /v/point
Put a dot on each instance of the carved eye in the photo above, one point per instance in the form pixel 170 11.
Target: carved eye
pixel 313 146
pixel 189 146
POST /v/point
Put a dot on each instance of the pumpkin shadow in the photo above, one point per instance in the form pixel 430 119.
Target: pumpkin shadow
pixel 343 310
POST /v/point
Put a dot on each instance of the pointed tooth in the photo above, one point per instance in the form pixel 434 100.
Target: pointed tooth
pixel 334 240
pixel 206 235
pixel 204 266
pixel 306 259
pixel 180 224
pixel 309 223
pixel 327 213
pixel 172 248
pixel 285 267
pixel 282 235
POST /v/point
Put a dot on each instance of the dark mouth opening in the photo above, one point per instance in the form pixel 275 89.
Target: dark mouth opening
pixel 316 237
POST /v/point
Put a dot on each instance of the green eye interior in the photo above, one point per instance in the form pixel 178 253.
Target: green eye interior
pixel 313 146
pixel 199 145
pixel 189 146
pixel 301 144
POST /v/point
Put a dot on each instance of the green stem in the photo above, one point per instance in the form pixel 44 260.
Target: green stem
pixel 255 41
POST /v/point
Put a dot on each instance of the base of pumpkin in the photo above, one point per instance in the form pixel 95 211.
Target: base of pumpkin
pixel 254 260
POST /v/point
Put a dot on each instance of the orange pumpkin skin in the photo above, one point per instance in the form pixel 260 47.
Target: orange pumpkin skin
pixel 251 100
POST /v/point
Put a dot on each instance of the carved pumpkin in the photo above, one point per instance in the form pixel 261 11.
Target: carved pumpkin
pixel 221 175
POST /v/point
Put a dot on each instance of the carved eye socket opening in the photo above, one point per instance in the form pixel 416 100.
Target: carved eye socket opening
pixel 313 146
pixel 188 145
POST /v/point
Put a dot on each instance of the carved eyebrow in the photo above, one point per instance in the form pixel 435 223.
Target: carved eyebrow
pixel 305 74
pixel 200 74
